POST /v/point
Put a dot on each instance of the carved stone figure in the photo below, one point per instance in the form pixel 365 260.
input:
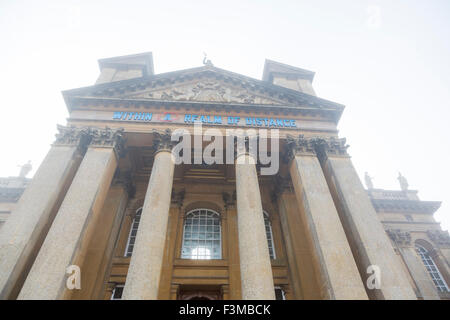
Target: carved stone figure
pixel 25 169
pixel 403 182
pixel 368 180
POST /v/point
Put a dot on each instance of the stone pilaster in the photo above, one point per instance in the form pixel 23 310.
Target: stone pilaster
pixel 337 271
pixel 368 240
pixel 22 235
pixel 144 273
pixel 417 270
pixel 72 229
pixel 255 266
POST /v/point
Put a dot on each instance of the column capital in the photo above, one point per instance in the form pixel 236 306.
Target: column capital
pixel 399 237
pixel 177 198
pixel 298 145
pixel 162 140
pixel 245 144
pixel 312 146
pixel 331 146
pixel 108 138
pixel 72 136
pixel 229 200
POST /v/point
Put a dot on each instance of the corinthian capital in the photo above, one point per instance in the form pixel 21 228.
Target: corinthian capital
pixel 107 137
pixel 162 140
pixel 72 136
pixel 298 145
pixel 401 238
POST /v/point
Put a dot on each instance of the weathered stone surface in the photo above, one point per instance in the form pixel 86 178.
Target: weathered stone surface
pixel 339 277
pixel 363 227
pixel 144 273
pixel 68 236
pixel 419 273
pixel 256 270
pixel 23 233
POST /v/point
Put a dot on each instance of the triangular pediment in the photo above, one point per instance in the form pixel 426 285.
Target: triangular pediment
pixel 205 85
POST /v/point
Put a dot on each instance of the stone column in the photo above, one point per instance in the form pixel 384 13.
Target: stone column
pixel 100 249
pixel 338 274
pixel 144 273
pixel 69 236
pixel 23 233
pixel 368 238
pixel 255 266
pixel 415 266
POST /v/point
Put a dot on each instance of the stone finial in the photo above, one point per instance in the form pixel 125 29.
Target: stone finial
pixel 403 182
pixel 399 237
pixel 368 180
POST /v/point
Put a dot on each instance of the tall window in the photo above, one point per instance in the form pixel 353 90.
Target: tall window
pixel 202 235
pixel 133 232
pixel 269 236
pixel 427 260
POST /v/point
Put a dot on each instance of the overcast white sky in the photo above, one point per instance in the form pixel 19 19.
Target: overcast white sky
pixel 387 61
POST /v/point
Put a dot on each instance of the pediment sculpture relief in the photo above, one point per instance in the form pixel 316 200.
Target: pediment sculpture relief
pixel 210 91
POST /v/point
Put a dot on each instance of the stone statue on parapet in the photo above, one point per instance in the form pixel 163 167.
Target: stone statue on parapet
pixel 368 180
pixel 25 169
pixel 206 61
pixel 403 182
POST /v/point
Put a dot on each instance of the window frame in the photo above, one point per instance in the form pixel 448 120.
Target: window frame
pixel 138 211
pixel 219 216
pixel 424 257
pixel 267 218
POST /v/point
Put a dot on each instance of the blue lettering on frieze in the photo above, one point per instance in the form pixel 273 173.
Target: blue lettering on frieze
pixel 207 119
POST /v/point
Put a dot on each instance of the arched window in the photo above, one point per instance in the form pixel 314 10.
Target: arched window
pixel 202 235
pixel 269 236
pixel 427 260
pixel 133 232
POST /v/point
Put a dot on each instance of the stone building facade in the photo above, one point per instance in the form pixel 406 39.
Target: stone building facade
pixel 112 208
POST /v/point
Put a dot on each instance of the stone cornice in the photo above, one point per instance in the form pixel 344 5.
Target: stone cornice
pixel 405 206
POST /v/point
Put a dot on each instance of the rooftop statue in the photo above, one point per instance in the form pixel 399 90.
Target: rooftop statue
pixel 403 182
pixel 25 169
pixel 368 180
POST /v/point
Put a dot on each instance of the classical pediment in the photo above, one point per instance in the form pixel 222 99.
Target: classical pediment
pixel 205 84
pixel 205 90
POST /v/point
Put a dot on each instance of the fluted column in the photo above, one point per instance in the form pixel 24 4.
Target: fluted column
pixel 338 274
pixel 67 240
pixel 361 223
pixel 144 273
pixel 23 233
pixel 256 269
